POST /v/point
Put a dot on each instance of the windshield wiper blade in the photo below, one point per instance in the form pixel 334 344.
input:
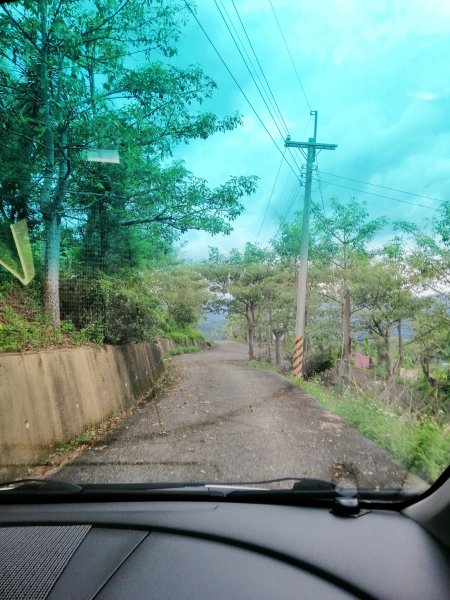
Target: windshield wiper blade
pixel 39 486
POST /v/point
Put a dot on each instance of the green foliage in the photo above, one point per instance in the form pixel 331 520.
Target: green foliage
pixel 18 333
pixel 127 307
pixel 70 87
pixel 251 286
pixel 181 350
pixel 118 309
pixel 421 443
pixel 186 336
pixel 82 438
pixel 264 366
pixel 63 447
pixel 182 290
pixel 318 361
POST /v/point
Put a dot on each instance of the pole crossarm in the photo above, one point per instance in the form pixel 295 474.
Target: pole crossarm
pixel 317 145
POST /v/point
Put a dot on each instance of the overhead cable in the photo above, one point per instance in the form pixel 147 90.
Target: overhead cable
pixel 260 67
pixel 290 55
pixel 384 187
pixel 240 89
pixel 379 195
pixel 270 198
pixel 251 73
pixel 248 68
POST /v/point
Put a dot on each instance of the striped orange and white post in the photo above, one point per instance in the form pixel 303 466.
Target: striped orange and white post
pixel 297 364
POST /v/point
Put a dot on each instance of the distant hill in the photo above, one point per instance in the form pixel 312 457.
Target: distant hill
pixel 212 324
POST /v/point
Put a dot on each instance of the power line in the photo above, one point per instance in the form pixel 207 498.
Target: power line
pixel 244 49
pixel 274 104
pixel 248 68
pixel 290 55
pixel 270 198
pixel 379 195
pixel 320 188
pixel 284 217
pixel 251 74
pixel 260 67
pixel 291 204
pixel 239 87
pixel 384 187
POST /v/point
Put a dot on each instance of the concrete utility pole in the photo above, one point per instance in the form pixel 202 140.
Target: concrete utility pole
pixel 312 146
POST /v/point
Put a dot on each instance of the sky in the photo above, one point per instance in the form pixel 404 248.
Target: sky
pixel 377 72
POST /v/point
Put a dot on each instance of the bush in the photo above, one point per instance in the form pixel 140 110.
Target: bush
pixel 317 362
pixel 18 333
pixel 184 336
pixel 99 309
pixel 111 310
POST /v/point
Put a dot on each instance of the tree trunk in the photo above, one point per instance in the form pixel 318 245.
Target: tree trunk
pixel 52 251
pixel 269 334
pixel 346 326
pixel 51 219
pixel 400 347
pixel 387 354
pixel 53 237
pixel 269 347
pixel 346 335
pixel 278 339
pixel 380 352
pixel 251 353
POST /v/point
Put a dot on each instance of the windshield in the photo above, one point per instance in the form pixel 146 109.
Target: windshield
pixel 225 242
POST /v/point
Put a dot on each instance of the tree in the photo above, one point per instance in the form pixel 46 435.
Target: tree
pixel 429 257
pixel 431 341
pixel 72 87
pixel 185 308
pixel 341 245
pixel 239 282
pixel 280 303
pixel 383 292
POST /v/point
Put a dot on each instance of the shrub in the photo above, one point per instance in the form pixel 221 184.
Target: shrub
pixel 318 362
pixel 112 310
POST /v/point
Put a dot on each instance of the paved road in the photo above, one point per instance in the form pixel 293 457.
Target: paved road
pixel 222 421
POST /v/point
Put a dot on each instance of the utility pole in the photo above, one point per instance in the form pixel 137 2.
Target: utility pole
pixel 311 146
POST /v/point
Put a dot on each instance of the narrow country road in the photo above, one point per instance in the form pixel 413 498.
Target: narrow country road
pixel 221 421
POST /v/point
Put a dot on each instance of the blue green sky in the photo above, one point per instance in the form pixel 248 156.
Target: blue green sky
pixel 377 71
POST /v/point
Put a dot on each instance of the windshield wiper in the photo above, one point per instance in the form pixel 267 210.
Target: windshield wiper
pixel 343 499
pixel 39 486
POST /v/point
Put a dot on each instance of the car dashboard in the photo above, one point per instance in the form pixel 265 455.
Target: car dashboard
pixel 183 549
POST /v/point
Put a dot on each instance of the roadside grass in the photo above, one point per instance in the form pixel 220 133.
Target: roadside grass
pixel 181 350
pixel 420 442
pixel 264 366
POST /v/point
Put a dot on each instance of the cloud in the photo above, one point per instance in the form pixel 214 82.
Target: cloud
pixel 424 95
pixel 377 72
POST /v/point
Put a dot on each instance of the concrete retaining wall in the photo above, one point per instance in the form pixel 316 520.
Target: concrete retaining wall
pixel 51 396
pixel 166 344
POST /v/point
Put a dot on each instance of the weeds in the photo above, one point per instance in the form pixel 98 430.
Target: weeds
pixel 83 438
pixel 181 350
pixel 264 366
pixel 420 442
